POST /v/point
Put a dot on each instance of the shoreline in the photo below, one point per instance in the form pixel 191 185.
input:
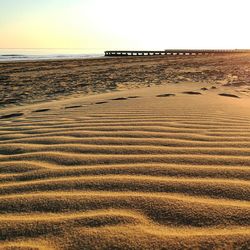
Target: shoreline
pixel 50 60
pixel 136 58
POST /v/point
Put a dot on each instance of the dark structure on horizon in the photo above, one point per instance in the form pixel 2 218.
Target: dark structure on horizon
pixel 172 52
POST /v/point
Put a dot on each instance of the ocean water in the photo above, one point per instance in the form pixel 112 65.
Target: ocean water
pixel 47 54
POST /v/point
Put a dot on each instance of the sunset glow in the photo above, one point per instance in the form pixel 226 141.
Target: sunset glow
pixel 129 24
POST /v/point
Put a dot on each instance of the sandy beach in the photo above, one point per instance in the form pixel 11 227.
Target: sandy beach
pixel 125 153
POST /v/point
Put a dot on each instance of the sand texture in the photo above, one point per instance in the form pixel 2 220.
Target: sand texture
pixel 29 82
pixel 158 167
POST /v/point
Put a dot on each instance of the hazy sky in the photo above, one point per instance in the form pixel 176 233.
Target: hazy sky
pixel 127 24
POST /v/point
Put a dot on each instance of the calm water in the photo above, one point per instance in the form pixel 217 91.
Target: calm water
pixel 46 54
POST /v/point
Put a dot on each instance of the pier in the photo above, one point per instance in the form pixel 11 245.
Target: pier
pixel 172 52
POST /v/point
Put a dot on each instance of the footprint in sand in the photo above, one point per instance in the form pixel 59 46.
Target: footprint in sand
pixel 191 93
pixel 204 89
pixel 73 107
pixel 11 115
pixel 133 97
pixel 165 95
pixel 100 102
pixel 119 99
pixel 229 95
pixel 41 110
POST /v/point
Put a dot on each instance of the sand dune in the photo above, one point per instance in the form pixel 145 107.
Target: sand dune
pixel 135 169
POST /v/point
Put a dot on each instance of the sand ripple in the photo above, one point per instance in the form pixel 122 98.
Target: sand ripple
pixel 124 177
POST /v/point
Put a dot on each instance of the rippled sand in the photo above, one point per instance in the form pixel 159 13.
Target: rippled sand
pixel 160 167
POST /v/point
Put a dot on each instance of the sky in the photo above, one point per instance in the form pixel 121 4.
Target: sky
pixel 124 24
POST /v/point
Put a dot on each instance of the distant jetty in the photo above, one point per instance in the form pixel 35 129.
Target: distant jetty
pixel 172 52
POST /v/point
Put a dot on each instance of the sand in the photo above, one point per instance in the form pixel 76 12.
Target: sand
pixel 145 167
pixel 29 82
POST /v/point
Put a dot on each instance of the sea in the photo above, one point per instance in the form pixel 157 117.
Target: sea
pixel 47 54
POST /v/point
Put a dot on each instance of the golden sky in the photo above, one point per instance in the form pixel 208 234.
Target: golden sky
pixel 124 24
